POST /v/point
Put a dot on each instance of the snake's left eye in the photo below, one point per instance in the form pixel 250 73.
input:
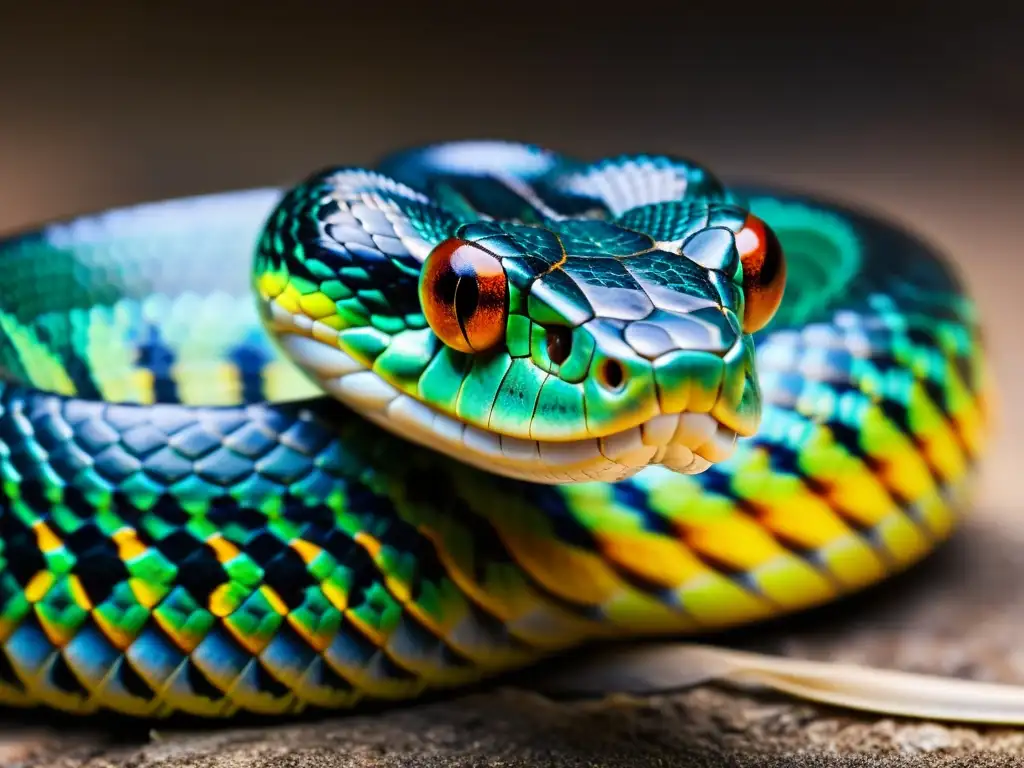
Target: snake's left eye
pixel 464 296
pixel 764 273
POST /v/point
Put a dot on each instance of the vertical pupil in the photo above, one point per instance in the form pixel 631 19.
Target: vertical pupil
pixel 467 298
pixel 445 288
pixel 772 257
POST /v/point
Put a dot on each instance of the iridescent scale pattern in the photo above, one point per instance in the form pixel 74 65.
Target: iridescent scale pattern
pixel 188 524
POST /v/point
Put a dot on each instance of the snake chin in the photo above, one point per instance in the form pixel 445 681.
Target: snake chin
pixel 686 442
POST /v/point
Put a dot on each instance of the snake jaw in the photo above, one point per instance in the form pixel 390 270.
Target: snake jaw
pixel 687 442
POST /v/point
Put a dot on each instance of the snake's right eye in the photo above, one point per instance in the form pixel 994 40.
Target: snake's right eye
pixel 464 296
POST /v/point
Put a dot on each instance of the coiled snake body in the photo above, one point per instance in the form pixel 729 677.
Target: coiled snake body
pixel 488 403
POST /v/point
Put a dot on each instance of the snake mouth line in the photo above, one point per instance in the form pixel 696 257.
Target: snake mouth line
pixel 685 442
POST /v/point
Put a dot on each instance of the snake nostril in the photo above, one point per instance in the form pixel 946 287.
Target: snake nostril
pixel 611 375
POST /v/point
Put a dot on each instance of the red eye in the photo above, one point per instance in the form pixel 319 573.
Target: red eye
pixel 464 296
pixel 764 273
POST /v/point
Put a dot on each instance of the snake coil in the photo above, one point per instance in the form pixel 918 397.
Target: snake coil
pixel 490 403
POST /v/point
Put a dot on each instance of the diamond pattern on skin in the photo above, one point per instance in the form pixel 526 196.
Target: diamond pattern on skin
pixel 417 571
pixel 178 603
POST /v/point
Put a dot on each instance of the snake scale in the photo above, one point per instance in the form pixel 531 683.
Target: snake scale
pixel 402 428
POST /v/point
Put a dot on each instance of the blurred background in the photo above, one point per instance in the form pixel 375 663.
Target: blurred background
pixel 903 108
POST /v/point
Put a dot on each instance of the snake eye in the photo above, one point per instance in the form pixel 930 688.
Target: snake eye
pixel 764 273
pixel 464 296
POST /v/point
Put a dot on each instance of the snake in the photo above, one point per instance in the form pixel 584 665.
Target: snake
pixel 402 428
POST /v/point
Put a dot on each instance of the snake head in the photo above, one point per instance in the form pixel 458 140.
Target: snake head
pixel 556 328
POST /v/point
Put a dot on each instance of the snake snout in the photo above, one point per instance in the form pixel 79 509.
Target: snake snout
pixel 671 389
pixel 707 402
